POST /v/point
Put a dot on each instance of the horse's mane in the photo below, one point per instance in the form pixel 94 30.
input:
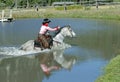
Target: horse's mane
pixel 57 32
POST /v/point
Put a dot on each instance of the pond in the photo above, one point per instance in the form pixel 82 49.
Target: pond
pixel 96 42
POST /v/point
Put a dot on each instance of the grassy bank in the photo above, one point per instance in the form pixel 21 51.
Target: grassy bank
pixel 112 71
pixel 104 12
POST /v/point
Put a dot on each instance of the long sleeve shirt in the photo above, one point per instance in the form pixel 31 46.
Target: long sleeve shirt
pixel 45 28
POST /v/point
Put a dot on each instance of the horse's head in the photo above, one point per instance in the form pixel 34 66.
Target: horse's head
pixel 67 31
pixel 63 32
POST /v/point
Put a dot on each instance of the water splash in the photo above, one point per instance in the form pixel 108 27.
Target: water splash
pixel 6 52
pixel 15 51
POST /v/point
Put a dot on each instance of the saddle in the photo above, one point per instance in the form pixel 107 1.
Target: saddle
pixel 38 42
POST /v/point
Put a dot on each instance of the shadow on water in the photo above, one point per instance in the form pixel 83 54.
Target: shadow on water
pixel 34 68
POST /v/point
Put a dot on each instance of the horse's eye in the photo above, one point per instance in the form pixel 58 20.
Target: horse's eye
pixel 70 29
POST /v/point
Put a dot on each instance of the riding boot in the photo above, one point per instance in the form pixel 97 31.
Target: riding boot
pixel 42 48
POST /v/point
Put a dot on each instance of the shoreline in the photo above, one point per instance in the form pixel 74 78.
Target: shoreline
pixel 103 12
pixel 111 71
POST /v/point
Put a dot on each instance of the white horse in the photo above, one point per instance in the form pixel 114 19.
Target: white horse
pixel 58 39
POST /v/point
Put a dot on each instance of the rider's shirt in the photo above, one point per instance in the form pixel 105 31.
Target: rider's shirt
pixel 45 28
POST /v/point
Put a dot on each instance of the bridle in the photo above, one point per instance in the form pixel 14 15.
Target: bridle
pixel 70 30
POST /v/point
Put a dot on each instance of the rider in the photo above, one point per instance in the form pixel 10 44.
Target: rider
pixel 42 33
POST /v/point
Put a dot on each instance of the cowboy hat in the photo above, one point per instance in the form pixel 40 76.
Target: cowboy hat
pixel 46 20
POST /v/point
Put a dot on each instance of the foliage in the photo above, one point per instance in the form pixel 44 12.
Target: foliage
pixel 69 7
pixel 6 2
pixel 40 2
pixel 116 0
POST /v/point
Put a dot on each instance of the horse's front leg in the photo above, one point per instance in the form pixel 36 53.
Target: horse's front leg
pixel 56 45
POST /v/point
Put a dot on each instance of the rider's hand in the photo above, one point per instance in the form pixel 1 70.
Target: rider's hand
pixel 58 27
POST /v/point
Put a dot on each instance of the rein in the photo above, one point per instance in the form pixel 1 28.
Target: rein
pixel 68 26
pixel 57 42
pixel 61 34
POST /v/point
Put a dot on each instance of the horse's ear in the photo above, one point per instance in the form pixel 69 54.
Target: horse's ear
pixel 68 26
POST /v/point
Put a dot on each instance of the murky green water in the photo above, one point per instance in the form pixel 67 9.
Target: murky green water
pixel 97 41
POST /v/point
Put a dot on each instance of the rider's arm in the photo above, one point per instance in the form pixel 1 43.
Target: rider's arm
pixel 52 29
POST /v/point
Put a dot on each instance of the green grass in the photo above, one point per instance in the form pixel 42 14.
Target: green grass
pixel 111 13
pixel 112 71
pixel 71 7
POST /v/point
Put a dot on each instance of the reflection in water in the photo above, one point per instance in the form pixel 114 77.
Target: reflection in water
pixel 54 61
pixel 33 68
pixel 97 41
